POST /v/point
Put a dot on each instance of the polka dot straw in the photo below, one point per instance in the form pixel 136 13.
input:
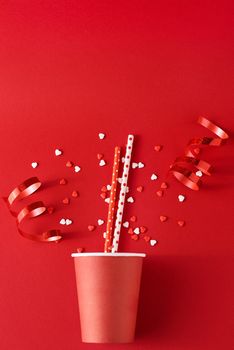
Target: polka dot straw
pixel 122 195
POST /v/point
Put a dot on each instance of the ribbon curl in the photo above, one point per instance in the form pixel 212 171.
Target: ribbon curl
pixel 25 189
pixel 181 168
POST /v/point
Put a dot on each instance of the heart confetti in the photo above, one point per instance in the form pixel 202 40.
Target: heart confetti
pixel 158 148
pixel 77 169
pixel 58 152
pixel 69 164
pixel 140 189
pixel 153 242
pixel 126 224
pixel 181 198
pixel 130 200
pixel 34 165
pixel 75 194
pixel 100 222
pixel 181 223
pixel 63 181
pixel 163 218
pixel 102 162
pixel 154 177
pixel 91 228
pixel 133 218
pixel 101 135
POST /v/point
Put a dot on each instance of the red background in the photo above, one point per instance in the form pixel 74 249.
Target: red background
pixel 70 69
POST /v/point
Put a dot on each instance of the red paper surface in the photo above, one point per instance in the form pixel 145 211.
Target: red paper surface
pixel 70 70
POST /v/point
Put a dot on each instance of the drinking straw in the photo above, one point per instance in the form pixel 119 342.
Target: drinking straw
pixel 111 208
pixel 122 195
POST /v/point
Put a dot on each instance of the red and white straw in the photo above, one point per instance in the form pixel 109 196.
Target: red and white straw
pixel 111 208
pixel 122 195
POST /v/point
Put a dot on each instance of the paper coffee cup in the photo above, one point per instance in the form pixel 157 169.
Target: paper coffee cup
pixel 108 287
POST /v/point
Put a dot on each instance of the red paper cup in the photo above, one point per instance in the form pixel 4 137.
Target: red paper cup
pixel 108 289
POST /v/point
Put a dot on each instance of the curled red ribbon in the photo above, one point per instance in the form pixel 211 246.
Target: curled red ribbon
pixel 32 210
pixel 181 168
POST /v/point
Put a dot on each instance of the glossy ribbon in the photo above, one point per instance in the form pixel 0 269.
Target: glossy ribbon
pixel 183 167
pixel 32 210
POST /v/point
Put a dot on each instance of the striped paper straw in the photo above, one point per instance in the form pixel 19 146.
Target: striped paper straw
pixel 122 195
pixel 111 209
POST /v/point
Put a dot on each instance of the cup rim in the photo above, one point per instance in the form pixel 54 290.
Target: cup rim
pixel 76 255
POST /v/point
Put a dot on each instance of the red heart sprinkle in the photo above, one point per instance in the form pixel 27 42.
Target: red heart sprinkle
pixel 159 193
pixel 163 218
pixel 104 189
pixel 63 182
pixel 75 194
pixel 103 195
pixel 140 188
pixel 181 223
pixel 147 238
pixel 66 200
pixel 50 210
pixel 164 185
pixel 80 250
pixel 135 237
pixel 99 156
pixel 69 164
pixel 130 231
pixel 91 227
pixel 143 229
pixel 133 218
pixel 196 150
pixel 158 148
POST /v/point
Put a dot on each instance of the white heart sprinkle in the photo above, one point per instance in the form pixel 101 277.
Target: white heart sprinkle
pixel 141 165
pixel 108 187
pixel 153 242
pixel 62 222
pixel 77 168
pixel 34 165
pixel 126 224
pixel 130 200
pixel 68 222
pixel 119 180
pixel 181 197
pixel 100 222
pixel 58 152
pixel 134 165
pixel 199 173
pixel 123 159
pixel 104 234
pixel 137 231
pixel 101 135
pixel 154 177
pixel 107 200
pixel 102 162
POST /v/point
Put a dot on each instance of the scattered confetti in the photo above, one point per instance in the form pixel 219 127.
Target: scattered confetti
pixel 143 229
pixel 107 200
pixel 135 237
pixel 58 152
pixel 154 177
pixel 75 194
pixel 101 135
pixel 108 187
pixel 140 189
pixel 66 200
pixel 181 223
pixel 133 218
pixel 100 222
pixel 102 162
pixel 196 150
pixel 199 173
pixel 119 180
pixel 164 185
pixel 50 210
pixel 104 189
pixel 141 165
pixel 181 198
pixel 103 195
pixel 91 227
pixel 62 222
pixel 159 193
pixel 34 165
pixel 134 165
pixel 69 164
pixel 68 222
pixel 77 168
pixel 80 250
pixel 130 200
pixel 147 238
pixel 153 242
pixel 158 148
pixel 136 231
pixel 130 231
pixel 63 182
pixel 99 156
pixel 126 224
pixel 163 218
